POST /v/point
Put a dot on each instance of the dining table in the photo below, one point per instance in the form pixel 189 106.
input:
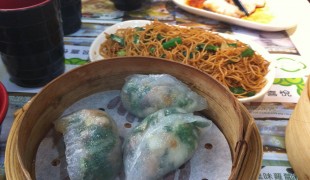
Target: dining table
pixel 287 47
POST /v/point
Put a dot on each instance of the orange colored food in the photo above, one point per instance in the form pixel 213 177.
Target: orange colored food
pixel 195 3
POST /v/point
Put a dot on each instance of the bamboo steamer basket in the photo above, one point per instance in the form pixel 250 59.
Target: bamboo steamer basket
pixel 297 135
pixel 35 119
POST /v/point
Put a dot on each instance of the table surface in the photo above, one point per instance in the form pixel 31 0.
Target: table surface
pixel 288 48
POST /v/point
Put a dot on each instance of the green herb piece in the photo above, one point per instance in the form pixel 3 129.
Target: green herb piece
pixel 247 53
pixel 240 90
pixel 190 54
pixel 237 90
pixel 232 44
pixel 121 52
pixel 168 128
pixel 136 39
pixel 209 47
pixel 118 39
pixel 249 94
pixel 101 140
pixel 152 50
pixel 231 62
pixel 139 29
pixel 199 47
pixel 172 43
pixel 159 37
pixel 187 135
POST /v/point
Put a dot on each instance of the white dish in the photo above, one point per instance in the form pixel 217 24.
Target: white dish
pixel 283 16
pixel 94 54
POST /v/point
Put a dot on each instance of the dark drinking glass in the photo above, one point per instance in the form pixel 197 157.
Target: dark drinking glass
pixel 71 13
pixel 31 41
pixel 127 5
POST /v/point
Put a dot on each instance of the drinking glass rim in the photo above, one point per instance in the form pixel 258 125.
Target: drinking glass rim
pixel 25 7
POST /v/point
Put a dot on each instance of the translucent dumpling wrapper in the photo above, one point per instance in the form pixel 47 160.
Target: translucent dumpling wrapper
pixel 93 146
pixel 161 143
pixel 145 94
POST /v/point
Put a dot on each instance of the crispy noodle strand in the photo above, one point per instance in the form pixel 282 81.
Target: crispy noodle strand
pixel 225 64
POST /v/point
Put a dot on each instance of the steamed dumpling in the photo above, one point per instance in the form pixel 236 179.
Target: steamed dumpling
pixel 93 146
pixel 161 143
pixel 145 94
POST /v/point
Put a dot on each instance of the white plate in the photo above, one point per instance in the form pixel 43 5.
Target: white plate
pixel 284 16
pixel 94 54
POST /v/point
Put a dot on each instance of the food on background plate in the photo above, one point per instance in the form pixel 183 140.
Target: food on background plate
pixel 162 142
pixel 227 7
pixel 93 146
pixel 233 63
pixel 145 94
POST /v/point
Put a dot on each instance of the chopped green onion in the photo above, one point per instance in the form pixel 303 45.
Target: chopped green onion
pixel 152 50
pixel 121 52
pixel 190 54
pixel 163 55
pixel 168 128
pixel 209 47
pixel 232 44
pixel 199 47
pixel 172 43
pixel 231 62
pixel 247 53
pixel 160 37
pixel 237 90
pixel 136 39
pixel 118 39
pixel 139 28
pixel 240 90
pixel 249 94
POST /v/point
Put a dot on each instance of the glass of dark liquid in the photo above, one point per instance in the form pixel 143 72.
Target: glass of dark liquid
pixel 127 5
pixel 71 13
pixel 31 41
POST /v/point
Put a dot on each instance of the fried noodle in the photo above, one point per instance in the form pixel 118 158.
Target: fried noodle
pixel 231 62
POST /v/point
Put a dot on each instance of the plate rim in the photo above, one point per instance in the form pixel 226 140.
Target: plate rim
pixel 93 54
pixel 237 21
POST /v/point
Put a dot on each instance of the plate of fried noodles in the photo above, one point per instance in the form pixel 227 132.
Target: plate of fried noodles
pixel 242 66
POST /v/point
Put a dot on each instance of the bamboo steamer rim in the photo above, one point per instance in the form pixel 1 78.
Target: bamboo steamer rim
pixel 246 148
